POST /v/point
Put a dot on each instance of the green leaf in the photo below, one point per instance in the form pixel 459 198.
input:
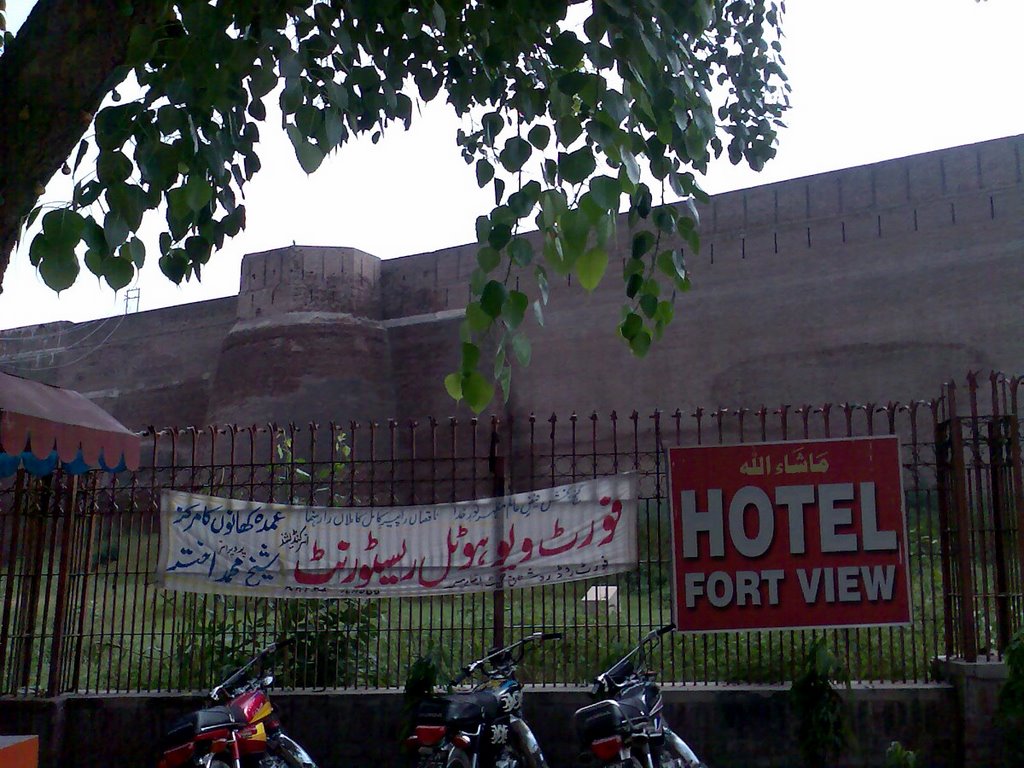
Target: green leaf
pixel 488 258
pixel 476 317
pixel 643 241
pixel 484 172
pixel 470 357
pixel 590 267
pixel 521 251
pixel 118 272
pixel 649 304
pixel 630 164
pixel 86 194
pixel 135 250
pixel 664 313
pixel 521 203
pixel 606 191
pixel 93 236
pixel 94 261
pixel 539 136
pixel 515 308
pixel 504 378
pixel 309 155
pixel 82 147
pixel 568 129
pixel 542 282
pixel 114 126
pixel 453 384
pixel 577 166
pixel 262 80
pixel 478 391
pixel 538 313
pixel 492 123
pixel 63 228
pixel 174 264
pixel 483 228
pixel 664 218
pixel 493 298
pixel 521 348
pixel 640 343
pixel 115 230
pixel 499 236
pixel 113 167
pixel 158 162
pixel 515 154
pixel 198 192
pixel 59 267
pixel 634 283
pixel 631 325
pixel 566 50
pixel 129 202
pixel 198 250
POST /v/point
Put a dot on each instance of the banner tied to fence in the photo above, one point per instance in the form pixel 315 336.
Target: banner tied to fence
pixel 226 546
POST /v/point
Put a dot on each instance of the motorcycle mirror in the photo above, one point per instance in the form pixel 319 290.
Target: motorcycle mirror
pixel 267 681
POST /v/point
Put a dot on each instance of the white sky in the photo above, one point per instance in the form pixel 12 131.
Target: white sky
pixel 872 80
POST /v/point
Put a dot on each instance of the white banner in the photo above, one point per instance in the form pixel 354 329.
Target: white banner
pixel 225 546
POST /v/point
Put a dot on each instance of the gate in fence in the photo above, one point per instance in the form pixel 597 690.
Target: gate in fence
pixel 80 612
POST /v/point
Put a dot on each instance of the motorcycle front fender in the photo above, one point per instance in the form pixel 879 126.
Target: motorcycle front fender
pixel 528 742
pixel 679 748
pixel 294 754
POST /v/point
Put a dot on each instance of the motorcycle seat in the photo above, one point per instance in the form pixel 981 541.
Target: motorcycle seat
pixel 213 717
pixel 184 729
pixel 472 708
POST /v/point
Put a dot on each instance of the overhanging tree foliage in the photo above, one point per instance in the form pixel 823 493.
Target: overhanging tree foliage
pixel 567 124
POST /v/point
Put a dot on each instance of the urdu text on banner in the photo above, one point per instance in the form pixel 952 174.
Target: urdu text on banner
pixel 227 546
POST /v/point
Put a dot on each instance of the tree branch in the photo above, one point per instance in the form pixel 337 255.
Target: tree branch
pixel 53 76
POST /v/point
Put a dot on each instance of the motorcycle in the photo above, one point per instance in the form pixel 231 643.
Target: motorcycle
pixel 239 730
pixel 625 728
pixel 482 727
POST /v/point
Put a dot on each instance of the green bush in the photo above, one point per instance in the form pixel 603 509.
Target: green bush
pixel 897 756
pixel 1010 712
pixel 823 728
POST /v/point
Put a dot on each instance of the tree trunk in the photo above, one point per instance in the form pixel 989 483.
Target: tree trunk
pixel 53 76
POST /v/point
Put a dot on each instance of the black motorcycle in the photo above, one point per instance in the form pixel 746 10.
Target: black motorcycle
pixel 482 727
pixel 625 728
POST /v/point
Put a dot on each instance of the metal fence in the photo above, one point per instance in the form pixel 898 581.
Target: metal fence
pixel 77 554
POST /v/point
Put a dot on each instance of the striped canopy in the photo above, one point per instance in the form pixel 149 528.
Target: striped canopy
pixel 42 426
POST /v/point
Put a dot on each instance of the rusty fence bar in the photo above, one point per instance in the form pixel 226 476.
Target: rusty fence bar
pixel 81 613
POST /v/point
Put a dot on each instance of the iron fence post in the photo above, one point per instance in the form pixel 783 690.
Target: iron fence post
pixel 496 464
pixel 998 466
pixel 962 515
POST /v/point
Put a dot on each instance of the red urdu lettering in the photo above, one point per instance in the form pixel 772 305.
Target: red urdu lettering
pixel 312 578
pixel 611 521
pixel 559 530
pixel 452 547
pixel 590 537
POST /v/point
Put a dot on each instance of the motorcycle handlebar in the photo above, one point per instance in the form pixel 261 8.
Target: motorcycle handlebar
pixel 469 669
pixel 239 674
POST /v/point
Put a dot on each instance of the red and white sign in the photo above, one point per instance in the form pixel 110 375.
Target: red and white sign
pixel 789 535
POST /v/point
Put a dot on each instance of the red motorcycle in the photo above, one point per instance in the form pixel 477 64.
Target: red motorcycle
pixel 241 732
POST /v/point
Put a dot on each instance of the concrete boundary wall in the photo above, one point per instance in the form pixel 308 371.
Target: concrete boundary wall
pixel 728 726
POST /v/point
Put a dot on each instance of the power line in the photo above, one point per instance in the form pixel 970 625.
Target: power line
pixel 86 353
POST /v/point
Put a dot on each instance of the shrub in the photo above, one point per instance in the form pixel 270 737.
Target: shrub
pixel 823 725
